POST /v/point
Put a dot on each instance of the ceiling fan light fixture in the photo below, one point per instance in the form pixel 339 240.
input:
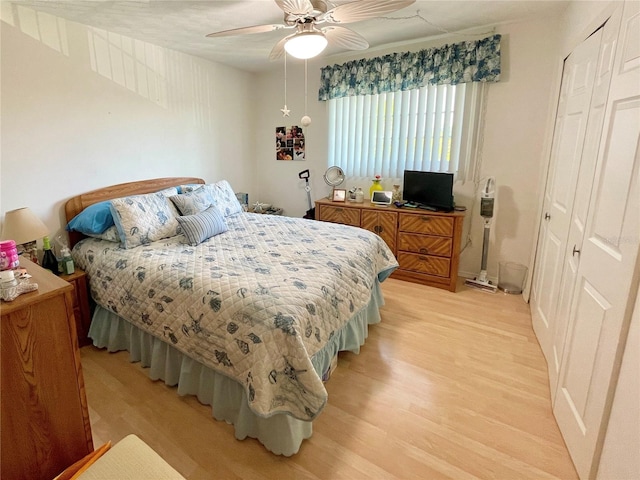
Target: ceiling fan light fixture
pixel 305 45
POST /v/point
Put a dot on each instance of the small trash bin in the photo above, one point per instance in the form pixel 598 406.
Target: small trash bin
pixel 511 277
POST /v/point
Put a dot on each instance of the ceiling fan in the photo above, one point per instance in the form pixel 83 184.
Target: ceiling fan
pixel 305 16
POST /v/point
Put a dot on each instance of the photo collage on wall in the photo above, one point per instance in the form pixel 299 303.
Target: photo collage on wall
pixel 289 143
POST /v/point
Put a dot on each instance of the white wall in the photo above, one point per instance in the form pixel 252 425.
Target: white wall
pixel 83 109
pixel 620 458
pixel 278 181
pixel 515 129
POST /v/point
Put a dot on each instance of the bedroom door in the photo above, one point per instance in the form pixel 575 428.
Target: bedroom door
pixel 609 269
pixel 566 155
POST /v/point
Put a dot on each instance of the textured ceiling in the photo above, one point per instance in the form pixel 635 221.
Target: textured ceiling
pixel 182 24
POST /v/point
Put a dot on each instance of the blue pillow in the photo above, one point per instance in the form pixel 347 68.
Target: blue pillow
pixel 202 226
pixel 94 219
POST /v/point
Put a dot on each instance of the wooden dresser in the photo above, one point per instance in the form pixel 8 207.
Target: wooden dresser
pixel 44 415
pixel 426 244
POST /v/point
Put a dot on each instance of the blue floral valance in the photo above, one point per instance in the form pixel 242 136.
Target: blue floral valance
pixel 477 61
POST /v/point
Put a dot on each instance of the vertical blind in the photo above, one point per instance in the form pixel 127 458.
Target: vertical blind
pixel 412 110
pixel 429 128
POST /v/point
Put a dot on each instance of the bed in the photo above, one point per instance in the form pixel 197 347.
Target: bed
pixel 248 319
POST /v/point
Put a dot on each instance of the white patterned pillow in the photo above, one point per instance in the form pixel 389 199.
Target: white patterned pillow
pixel 193 202
pixel 142 219
pixel 224 197
pixel 190 187
pixel 202 226
pixel 167 192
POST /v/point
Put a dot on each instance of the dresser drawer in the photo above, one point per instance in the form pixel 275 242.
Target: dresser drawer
pixel 438 266
pixel 346 216
pixel 425 244
pixel 432 225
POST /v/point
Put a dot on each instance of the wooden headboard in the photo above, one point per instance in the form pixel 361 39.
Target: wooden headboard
pixel 76 204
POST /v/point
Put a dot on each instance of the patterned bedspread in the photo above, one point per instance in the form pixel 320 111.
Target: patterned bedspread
pixel 254 303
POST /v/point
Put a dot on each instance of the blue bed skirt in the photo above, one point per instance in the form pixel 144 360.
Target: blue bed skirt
pixel 281 434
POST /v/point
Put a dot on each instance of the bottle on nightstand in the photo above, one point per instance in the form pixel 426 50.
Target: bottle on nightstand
pixel 67 262
pixel 48 258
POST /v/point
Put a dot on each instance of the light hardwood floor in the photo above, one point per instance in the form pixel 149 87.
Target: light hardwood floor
pixel 449 385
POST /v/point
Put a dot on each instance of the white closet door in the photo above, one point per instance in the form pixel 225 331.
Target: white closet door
pixel 566 154
pixel 580 210
pixel 608 269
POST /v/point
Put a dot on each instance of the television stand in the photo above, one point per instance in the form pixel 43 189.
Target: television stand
pixel 425 242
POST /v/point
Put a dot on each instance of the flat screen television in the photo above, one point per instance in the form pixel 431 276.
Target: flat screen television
pixel 433 190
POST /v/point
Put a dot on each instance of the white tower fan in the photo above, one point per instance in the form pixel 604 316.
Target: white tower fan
pixel 486 211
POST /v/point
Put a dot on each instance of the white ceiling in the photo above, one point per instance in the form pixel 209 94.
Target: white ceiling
pixel 182 24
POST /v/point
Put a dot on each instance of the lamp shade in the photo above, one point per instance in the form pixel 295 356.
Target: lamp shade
pixel 305 45
pixel 23 226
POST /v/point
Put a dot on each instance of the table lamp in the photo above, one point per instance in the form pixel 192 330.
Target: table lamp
pixel 24 227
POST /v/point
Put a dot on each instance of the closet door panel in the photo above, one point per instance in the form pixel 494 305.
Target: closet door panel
pixel 571 126
pixel 608 269
pixel 584 186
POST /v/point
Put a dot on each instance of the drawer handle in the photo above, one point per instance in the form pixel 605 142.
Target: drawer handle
pixel 426 219
pixel 424 250
pixel 423 259
pixel 339 210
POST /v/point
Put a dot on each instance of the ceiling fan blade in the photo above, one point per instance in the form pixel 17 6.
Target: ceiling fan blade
pixel 277 51
pixel 362 10
pixel 345 38
pixel 247 30
pixel 295 7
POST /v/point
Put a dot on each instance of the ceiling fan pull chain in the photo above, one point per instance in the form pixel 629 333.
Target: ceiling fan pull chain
pixel 285 111
pixel 306 120
pixel 305 86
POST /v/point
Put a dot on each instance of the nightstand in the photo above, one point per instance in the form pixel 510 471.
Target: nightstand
pixel 81 308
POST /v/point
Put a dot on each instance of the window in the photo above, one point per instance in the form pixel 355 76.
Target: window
pixel 432 128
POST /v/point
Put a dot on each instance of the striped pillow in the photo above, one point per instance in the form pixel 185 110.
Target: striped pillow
pixel 202 226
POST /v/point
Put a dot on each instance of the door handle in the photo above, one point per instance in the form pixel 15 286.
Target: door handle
pixel 575 250
pixel 547 216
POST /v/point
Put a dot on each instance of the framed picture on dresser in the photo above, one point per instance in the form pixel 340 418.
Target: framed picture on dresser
pixel 339 195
